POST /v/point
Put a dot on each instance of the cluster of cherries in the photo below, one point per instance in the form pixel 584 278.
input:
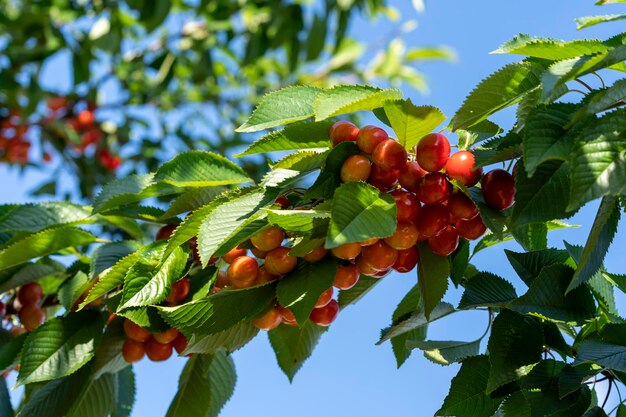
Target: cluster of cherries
pixel 14 145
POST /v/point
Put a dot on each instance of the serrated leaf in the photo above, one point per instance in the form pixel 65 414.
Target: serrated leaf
pixel 515 346
pixel 43 243
pixel 546 297
pixel 293 345
pixel 410 122
pixel 345 99
pixel 108 358
pixel 97 399
pixel 487 289
pixel 432 277
pixel 300 221
pixel 588 21
pixel 359 212
pixel 27 273
pixel 571 377
pixel 59 347
pixel 36 217
pixel 191 200
pixel 606 98
pixel 445 352
pixel 281 107
pixel 459 262
pixel 231 339
pixel 129 190
pixel 10 348
pixel 6 409
pixel 303 161
pixel 330 176
pixel 303 135
pixel 105 256
pixel 551 49
pixel 531 236
pixel 364 285
pixel 528 265
pixel 609 355
pixel 409 304
pixel 415 321
pixel 200 169
pixel 502 89
pixel 125 393
pixel 467 394
pixel 70 291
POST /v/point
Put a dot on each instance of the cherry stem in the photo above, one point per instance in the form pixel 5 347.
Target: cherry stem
pixel 608 393
pixel 584 84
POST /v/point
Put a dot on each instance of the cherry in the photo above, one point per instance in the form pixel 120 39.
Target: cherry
pixel 165 232
pixel 180 343
pixel 282 201
pixel 324 316
pixel 407 259
pixel 287 315
pixel 167 336
pixel 135 332
pixel 133 351
pixel 269 320
pixel 369 242
pixel 407 206
pixel 264 276
pixel 380 255
pixel 471 229
pixel 85 118
pixel 445 242
pixel 158 352
pixel 57 103
pixel 324 298
pixel 222 279
pixel 258 253
pixel 243 271
pixel 179 291
pixel 389 155
pixel 356 168
pixel 268 239
pixel 347 251
pixel 233 254
pixel 343 131
pixel 498 188
pixel 346 277
pixel 30 293
pixel 410 175
pixel 364 267
pixel 383 179
pixel 31 316
pixel 382 273
pixel 405 236
pixel 433 219
pixel 461 206
pixel 315 255
pixel 279 262
pixel 369 137
pixel 433 188
pixel 460 167
pixel 3 309
pixel 432 152
pixel 17 331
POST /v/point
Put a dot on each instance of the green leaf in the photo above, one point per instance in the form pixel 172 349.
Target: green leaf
pixel 219 311
pixel 10 348
pixel 409 304
pixel 432 277
pixel 205 385
pixel 303 161
pixel 231 339
pixel 359 212
pixel 6 409
pixel 97 399
pixel 129 190
pixel 345 99
pixel 43 243
pixel 572 376
pixel 330 176
pixel 415 321
pixel 125 392
pixel 595 412
pixel 515 346
pixel 598 242
pixel 502 89
pixel 410 122
pixel 191 200
pixel 108 358
pixel 609 355
pixel 467 394
pixel 70 291
pixel 303 135
pixel 528 265
pixel 445 352
pixel 29 272
pixel 487 289
pixel 587 21
pixel 546 297
pixel 36 217
pixel 531 236
pixel 606 98
pixel 551 49
pixel 105 256
pixel 301 221
pixel 200 169
pixel 364 285
pixel 303 286
pixel 281 107
pixel 421 54
pixel 59 347
pixel 459 262
pixel 293 345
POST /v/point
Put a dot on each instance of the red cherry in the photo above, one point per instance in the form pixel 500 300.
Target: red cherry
pixel 433 188
pixel 3 310
pixel 282 201
pixel 324 298
pixel 433 219
pixel 279 262
pixel 287 315
pixel 407 259
pixel 31 316
pixel 269 320
pixel 369 137
pixel 233 254
pixel 242 272
pixel 180 343
pixel 432 152
pixel 407 206
pixel 382 273
pixel 165 232
pixel 410 175
pixel 133 351
pixel 30 293
pixel 264 276
pixel 405 236
pixel 346 277
pixel 380 255
pixel 356 168
pixel 324 316
pixel 158 352
pixel 85 118
pixel 461 206
pixel 179 291
pixel 343 131
pixel 471 229
pixel 383 179
pixel 347 251
pixel 364 267
pixel 316 254
pixel 167 336
pixel 135 332
pixel 498 188
pixel 460 167
pixel 445 242
pixel 268 239
pixel 389 155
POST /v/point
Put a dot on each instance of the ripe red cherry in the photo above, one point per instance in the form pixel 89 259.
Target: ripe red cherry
pixel 233 254
pixel 410 175
pixel 380 255
pixel 243 271
pixel 31 316
pixel 158 352
pixel 179 291
pixel 461 206
pixel 369 242
pixel 258 253
pixel 85 118
pixel 3 310
pixel 346 277
pixel 324 298
pixel 282 201
pixel 30 293
pixel 269 320
pixel 135 332
pixel 324 316
pixel 471 229
pixel 180 343
pixel 407 259
pixel 356 168
pixel 287 315
pixel 268 239
pixel 405 236
pixel 343 131
pixel 498 188
pixel 369 137
pixel 445 242
pixel 383 179
pixel 460 167
pixel 407 206
pixel 221 280
pixel 433 188
pixel 167 336
pixel 264 276
pixel 433 219
pixel 432 152
pixel 279 262
pixel 389 155
pixel 316 254
pixel 347 251
pixel 133 351
pixel 383 273
pixel 165 232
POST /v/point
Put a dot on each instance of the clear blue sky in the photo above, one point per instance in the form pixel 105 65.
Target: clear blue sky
pixel 348 374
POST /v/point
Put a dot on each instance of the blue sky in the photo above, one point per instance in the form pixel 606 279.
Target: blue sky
pixel 348 374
